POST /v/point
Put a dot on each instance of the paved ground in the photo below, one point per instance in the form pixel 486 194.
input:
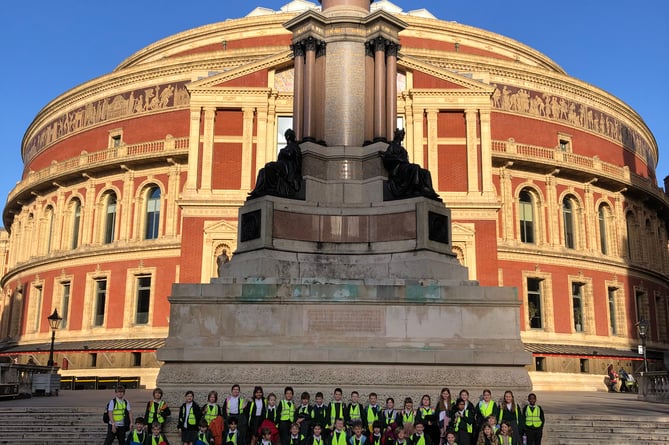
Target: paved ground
pixel 591 403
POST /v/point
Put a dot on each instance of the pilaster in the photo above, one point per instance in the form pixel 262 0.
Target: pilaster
pixel 247 147
pixel 486 152
pixel 207 148
pixel 193 149
pixel 432 146
pixel 472 152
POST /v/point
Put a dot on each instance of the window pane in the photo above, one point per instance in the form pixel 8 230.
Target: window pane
pixel 152 213
pixel 110 223
pixel 577 306
pixel 602 231
pixel 143 300
pixel 65 305
pixel 568 220
pixel 612 311
pixel 526 217
pixel 534 303
pixel 100 301
pixel 76 219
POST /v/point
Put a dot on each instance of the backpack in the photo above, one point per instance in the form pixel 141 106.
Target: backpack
pixel 126 414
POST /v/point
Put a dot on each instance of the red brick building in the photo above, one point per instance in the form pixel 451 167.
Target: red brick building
pixel 132 182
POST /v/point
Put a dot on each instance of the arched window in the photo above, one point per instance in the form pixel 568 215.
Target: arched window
pixel 568 222
pixel 49 229
pixel 76 222
pixel 526 217
pixel 152 213
pixel 631 233
pixel 603 216
pixel 110 218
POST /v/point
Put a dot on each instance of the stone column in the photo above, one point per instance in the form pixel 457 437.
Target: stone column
pixel 391 88
pixel 193 149
pixel 486 151
pixel 207 147
pixel 379 88
pixel 247 147
pixel 309 81
pixel 298 90
pixel 472 152
pixel 432 146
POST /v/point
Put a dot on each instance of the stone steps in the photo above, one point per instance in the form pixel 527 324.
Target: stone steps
pixel 610 430
pixel 79 426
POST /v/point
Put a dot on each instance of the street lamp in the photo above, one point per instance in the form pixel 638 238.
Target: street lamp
pixel 54 322
pixel 642 326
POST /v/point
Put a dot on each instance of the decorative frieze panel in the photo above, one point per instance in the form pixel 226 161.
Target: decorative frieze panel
pixel 559 109
pixel 109 109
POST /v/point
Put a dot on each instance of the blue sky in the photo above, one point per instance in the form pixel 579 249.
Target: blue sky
pixel 50 47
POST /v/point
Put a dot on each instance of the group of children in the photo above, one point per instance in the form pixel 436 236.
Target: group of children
pixel 264 420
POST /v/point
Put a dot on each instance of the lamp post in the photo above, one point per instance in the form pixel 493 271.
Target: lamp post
pixel 54 322
pixel 642 326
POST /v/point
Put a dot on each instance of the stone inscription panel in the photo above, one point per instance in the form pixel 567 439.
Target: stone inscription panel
pixel 345 320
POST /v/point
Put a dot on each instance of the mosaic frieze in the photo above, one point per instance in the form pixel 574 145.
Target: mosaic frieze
pixel 576 114
pixel 132 103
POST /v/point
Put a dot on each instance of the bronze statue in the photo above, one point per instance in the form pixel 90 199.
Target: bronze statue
pixel 282 177
pixel 406 180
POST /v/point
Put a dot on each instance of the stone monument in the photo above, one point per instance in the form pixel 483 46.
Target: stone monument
pixel 344 280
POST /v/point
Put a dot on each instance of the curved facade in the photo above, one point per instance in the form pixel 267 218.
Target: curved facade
pixel 132 182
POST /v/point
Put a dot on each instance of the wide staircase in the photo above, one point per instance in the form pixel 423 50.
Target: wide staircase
pixel 51 426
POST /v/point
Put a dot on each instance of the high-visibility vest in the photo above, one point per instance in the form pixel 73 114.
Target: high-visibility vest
pixel 501 414
pixel 341 440
pixel 505 440
pixel 231 437
pixel 240 407
pixel 135 437
pixel 334 415
pixel 191 416
pixel 210 412
pixel 420 441
pixel 486 410
pixel 408 418
pixel 459 420
pixel 118 413
pixel 156 416
pixel 533 416
pixel 424 412
pixel 287 411
pixel 372 415
pixel 157 440
pixel 354 412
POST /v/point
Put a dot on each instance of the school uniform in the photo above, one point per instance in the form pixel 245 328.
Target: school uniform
pixel 319 417
pixel 255 413
pixel 463 425
pixel 371 416
pixel 389 418
pixel 232 438
pixel 189 418
pixel 156 412
pixel 304 413
pixel 136 438
pixel 160 439
pixel 315 440
pixel 295 440
pixel 355 412
pixel 335 411
pixel 514 416
pixel 234 407
pixel 204 438
pixel 286 416
pixel 375 440
pixel 420 439
pixel 210 411
pixel 533 424
pixel 362 440
pixel 338 438
pixel 427 416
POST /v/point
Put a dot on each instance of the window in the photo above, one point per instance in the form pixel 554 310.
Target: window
pixel 534 303
pixel 564 142
pixel 613 324
pixel 100 302
pixel 49 228
pixel 143 299
pixel 76 222
pixel 631 232
pixel 115 138
pixel 526 212
pixel 110 220
pixel 577 305
pixel 568 222
pixel 643 308
pixel 584 365
pixel 136 359
pixel 603 215
pixel 540 363
pixel 65 304
pixel 37 295
pixel 152 213
pixel 93 359
pixel 283 123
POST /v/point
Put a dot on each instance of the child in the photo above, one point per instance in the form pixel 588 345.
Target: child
pixel 428 416
pixel 505 435
pixel 317 437
pixel 419 437
pixel 319 413
pixel 266 437
pixel 286 414
pixel 408 416
pixel 357 438
pixel 235 406
pixel 120 417
pixel 157 437
pixel 189 418
pixel 375 437
pixel 533 425
pixel 372 412
pixel 272 413
pixel 485 408
pixel 295 437
pixel 463 422
pixel 389 416
pixel 138 436
pixel 211 410
pixel 231 436
pixel 335 409
pixel 256 413
pixel 204 436
pixel 157 409
pixel 487 436
pixel 400 437
pixel 304 415
pixel 492 421
pixel 443 409
pixel 450 438
pixel 511 413
pixel 354 411
pixel 338 434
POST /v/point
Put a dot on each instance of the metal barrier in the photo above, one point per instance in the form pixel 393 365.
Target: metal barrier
pixel 98 382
